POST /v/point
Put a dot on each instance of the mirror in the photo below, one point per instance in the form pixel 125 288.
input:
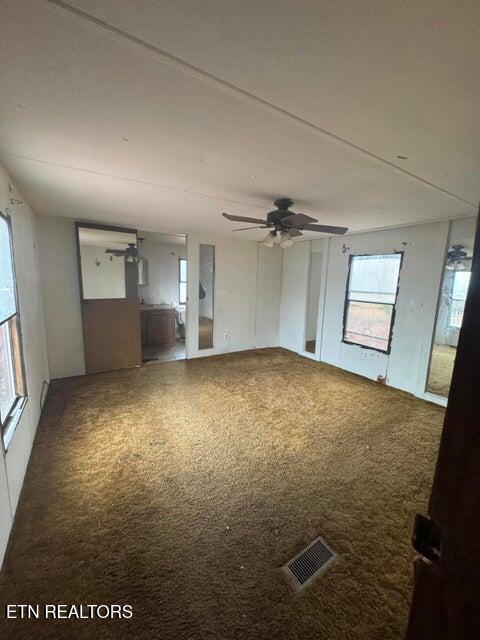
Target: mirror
pixel 206 291
pixel 313 299
pixel 108 261
pixel 453 293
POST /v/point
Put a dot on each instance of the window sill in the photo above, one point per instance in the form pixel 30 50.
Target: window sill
pixel 13 421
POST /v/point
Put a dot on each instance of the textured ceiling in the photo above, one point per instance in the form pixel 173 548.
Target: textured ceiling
pixel 163 115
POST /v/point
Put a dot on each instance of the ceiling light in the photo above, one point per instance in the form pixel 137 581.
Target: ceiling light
pixel 269 239
pixel 286 241
pixel 455 258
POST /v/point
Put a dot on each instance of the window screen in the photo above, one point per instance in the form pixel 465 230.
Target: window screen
pixel 370 300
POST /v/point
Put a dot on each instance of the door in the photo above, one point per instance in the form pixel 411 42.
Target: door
pixel 108 271
pixel 446 590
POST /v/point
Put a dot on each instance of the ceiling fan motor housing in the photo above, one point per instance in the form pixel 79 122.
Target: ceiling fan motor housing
pixel 275 217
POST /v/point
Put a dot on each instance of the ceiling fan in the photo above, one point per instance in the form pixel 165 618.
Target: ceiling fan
pixel 456 258
pixel 130 252
pixel 284 224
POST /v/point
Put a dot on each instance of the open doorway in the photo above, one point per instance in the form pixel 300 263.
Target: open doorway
pixel 162 284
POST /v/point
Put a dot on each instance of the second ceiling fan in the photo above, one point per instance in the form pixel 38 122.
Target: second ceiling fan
pixel 284 224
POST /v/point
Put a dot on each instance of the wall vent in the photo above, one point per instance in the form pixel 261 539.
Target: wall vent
pixel 309 563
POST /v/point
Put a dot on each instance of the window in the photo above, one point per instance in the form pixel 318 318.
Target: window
pixel 12 384
pixel 370 300
pixel 459 295
pixel 182 293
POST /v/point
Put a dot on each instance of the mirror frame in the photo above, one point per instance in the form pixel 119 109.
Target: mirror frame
pixel 102 227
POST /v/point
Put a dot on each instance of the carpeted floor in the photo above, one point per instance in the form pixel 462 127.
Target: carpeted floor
pixel 441 369
pixel 181 488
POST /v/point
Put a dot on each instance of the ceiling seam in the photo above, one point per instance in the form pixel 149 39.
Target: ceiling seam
pixel 134 180
pixel 351 231
pixel 232 89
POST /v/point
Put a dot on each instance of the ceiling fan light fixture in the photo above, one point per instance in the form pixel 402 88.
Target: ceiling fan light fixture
pixel 269 239
pixel 455 258
pixel 286 240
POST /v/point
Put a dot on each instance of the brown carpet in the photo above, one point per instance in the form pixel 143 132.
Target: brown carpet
pixel 441 369
pixel 181 488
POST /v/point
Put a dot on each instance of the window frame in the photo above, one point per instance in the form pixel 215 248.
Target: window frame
pixel 347 301
pixel 8 426
pixel 180 281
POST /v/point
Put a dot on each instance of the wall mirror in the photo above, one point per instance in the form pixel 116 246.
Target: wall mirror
pixel 108 263
pixel 453 293
pixel 206 294
pixel 313 300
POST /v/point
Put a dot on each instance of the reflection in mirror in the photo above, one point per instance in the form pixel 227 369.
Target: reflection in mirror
pixel 206 286
pixel 108 261
pixel 313 299
pixel 451 304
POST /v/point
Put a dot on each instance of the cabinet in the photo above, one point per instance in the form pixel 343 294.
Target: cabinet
pixel 157 326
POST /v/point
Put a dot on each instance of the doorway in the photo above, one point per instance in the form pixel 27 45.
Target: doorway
pixel 162 290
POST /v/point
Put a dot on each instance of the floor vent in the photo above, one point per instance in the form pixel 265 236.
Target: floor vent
pixel 309 563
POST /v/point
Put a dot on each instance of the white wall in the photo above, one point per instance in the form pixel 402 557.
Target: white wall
pixel 14 462
pixel 313 294
pixel 294 294
pixel 61 295
pixel 424 249
pixel 269 286
pixel 247 295
pixel 163 270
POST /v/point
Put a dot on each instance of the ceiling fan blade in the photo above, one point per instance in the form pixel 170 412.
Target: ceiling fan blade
pixel 262 226
pixel 293 233
pixel 243 219
pixel 298 218
pixel 324 228
pixel 116 252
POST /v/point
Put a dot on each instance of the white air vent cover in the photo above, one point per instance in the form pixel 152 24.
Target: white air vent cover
pixel 309 563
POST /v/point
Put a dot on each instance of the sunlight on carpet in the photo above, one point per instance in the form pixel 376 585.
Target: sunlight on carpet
pixel 182 488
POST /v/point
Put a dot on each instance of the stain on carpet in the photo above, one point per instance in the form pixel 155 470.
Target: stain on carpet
pixel 182 488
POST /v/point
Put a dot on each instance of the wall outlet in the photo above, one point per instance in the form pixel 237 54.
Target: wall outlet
pixel 225 336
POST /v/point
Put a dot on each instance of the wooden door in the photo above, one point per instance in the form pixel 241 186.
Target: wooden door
pixel 445 604
pixel 107 260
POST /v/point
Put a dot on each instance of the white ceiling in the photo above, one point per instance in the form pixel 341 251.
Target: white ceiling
pixel 102 118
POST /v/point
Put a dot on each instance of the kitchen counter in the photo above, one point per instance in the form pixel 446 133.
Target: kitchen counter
pixel 155 307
